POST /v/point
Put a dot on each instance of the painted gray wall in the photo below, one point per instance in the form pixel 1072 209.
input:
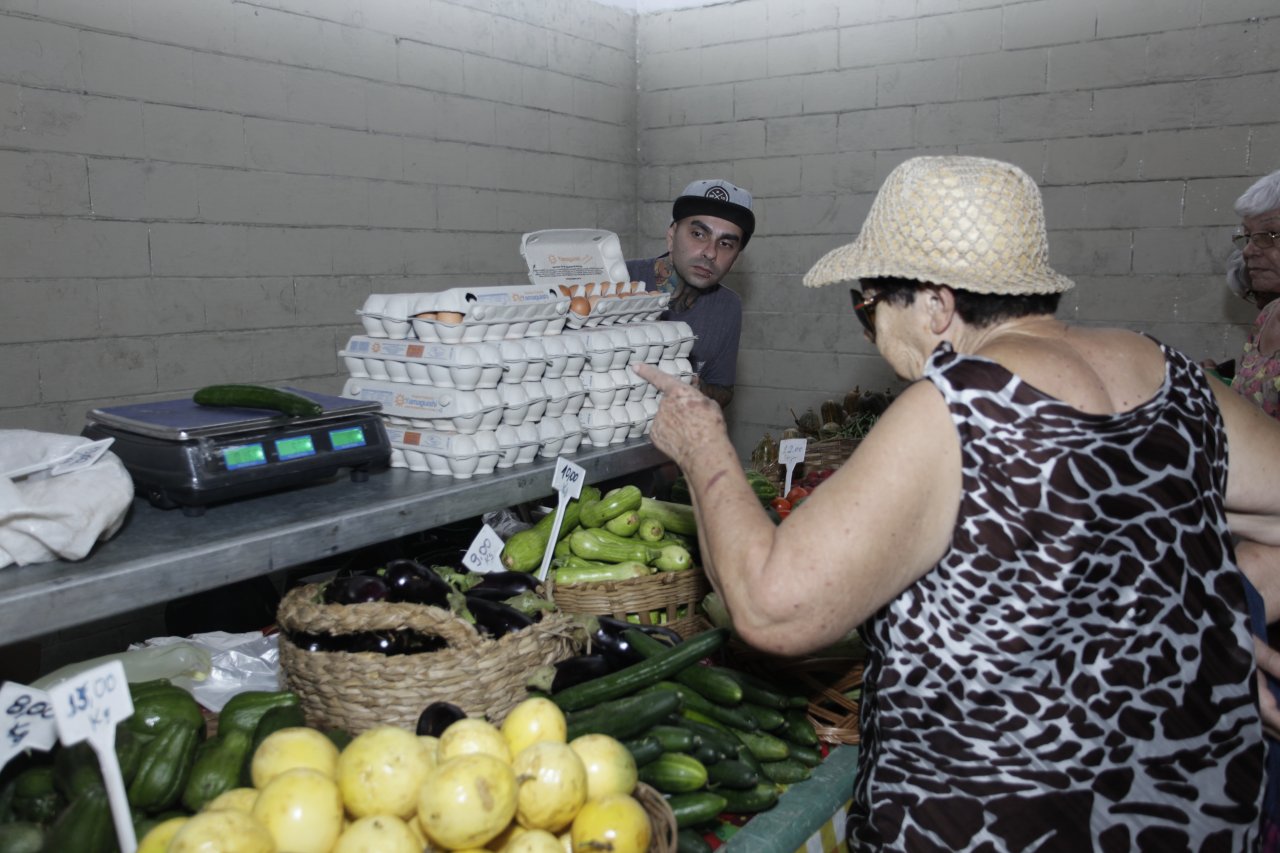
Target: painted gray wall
pixel 196 191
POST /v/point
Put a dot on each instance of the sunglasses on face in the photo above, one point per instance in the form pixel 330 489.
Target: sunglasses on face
pixel 864 307
pixel 1260 239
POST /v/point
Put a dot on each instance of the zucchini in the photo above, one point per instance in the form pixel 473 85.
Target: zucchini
pixel 257 397
pixel 586 571
pixel 650 530
pixel 523 551
pixel 762 797
pixel 605 547
pixel 675 518
pixel 673 558
pixel 694 808
pixel 732 773
pixel 689 840
pixel 674 773
pixel 766 719
pixel 712 685
pixel 639 675
pixel 622 718
pixel 626 524
pixel 785 772
pixel 694 701
pixel 644 749
pixel 613 504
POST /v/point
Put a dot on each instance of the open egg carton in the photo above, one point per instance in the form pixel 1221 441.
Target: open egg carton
pixel 466 314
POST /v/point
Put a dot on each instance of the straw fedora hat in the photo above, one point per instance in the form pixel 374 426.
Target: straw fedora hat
pixel 967 222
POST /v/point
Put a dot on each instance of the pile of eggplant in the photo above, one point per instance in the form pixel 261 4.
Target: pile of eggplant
pixel 497 604
pixel 608 651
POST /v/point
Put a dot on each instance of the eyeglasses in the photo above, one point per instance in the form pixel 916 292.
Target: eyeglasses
pixel 1260 239
pixel 865 309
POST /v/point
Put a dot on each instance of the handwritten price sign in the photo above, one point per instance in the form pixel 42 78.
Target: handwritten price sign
pixel 485 554
pixel 87 707
pixel 791 454
pixel 27 722
pixel 568 481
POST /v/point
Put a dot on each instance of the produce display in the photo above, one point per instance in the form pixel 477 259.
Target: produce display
pixel 713 739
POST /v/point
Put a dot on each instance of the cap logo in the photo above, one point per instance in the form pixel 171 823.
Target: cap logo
pixel 718 193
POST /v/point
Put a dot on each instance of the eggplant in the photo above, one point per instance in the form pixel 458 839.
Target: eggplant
pixel 437 717
pixel 355 589
pixel 613 644
pixel 378 642
pixel 509 584
pixel 314 642
pixel 580 669
pixel 412 582
pixel 495 618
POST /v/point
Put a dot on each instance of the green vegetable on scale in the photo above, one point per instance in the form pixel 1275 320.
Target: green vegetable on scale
pixel 257 397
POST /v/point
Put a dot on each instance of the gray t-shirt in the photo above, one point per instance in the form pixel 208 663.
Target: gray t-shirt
pixel 715 317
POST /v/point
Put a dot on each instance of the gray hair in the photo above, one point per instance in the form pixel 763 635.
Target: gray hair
pixel 1262 197
pixel 1238 275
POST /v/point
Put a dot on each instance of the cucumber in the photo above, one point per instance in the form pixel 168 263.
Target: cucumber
pixel 732 773
pixel 766 719
pixel 694 701
pixel 644 749
pixel 716 738
pixel 756 690
pixel 257 397
pixel 689 840
pixel 785 772
pixel 708 755
pixel 695 808
pixel 762 797
pixel 804 754
pixel 763 746
pixel 622 718
pixel 639 675
pixel 674 773
pixel 712 685
pixel 798 728
pixel 675 738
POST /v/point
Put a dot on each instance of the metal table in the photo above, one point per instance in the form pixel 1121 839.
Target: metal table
pixel 161 555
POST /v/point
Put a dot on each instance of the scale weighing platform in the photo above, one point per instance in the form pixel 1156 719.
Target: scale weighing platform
pixel 182 454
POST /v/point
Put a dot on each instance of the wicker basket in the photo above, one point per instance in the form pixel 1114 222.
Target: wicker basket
pixel 822 679
pixel 827 453
pixel 662 820
pixel 638 597
pixel 355 691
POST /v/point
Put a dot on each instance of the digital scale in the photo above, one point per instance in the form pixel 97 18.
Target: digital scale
pixel 182 454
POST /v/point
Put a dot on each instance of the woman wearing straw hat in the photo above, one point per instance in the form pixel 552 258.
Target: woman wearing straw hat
pixel 1033 539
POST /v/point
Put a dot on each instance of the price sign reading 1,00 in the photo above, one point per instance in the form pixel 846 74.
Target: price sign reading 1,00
pixel 568 478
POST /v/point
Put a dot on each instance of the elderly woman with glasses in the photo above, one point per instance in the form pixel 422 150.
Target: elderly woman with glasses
pixel 1033 539
pixel 1253 274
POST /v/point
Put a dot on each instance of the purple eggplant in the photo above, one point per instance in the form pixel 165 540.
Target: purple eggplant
pixel 496 619
pixel 355 589
pixel 412 582
pixel 507 584
pixel 580 669
pixel 610 637
pixel 437 717
pixel 314 642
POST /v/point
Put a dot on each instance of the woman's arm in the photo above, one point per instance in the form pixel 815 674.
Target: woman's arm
pixel 868 532
pixel 1253 445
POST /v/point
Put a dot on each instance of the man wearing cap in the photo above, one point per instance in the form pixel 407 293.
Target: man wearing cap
pixel 711 223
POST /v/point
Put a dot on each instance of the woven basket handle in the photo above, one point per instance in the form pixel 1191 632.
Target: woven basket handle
pixel 302 611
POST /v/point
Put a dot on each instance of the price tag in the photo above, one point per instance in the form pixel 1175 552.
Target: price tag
pixel 568 481
pixel 27 723
pixel 88 707
pixel 791 454
pixel 485 554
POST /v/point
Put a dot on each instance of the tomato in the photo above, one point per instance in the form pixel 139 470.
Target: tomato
pixel 780 504
pixel 782 513
pixel 796 493
pixel 799 501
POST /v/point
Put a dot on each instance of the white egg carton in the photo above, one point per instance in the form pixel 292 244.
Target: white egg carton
pixel 517 445
pixel 616 423
pixel 452 454
pixel 492 313
pixel 642 306
pixel 462 366
pixel 439 409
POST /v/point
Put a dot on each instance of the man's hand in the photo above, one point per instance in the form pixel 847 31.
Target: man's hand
pixel 1268 664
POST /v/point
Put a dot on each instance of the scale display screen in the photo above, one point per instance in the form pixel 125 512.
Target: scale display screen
pixel 244 456
pixel 341 439
pixel 295 448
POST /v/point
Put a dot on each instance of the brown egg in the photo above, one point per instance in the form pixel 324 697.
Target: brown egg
pixel 580 305
pixel 426 315
pixel 449 318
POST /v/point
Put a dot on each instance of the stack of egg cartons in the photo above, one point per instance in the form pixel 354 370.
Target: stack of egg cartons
pixel 475 379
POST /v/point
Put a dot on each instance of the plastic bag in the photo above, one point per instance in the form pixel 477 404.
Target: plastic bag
pixel 46 518
pixel 174 661
pixel 239 662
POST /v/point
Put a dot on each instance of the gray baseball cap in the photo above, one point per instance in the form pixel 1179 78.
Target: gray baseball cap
pixel 718 198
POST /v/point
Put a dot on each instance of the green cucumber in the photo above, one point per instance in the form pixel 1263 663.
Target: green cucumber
pixel 708 755
pixel 805 754
pixel 639 675
pixel 622 718
pixel 689 840
pixel 674 773
pixel 710 684
pixel 762 797
pixel 763 746
pixel 695 808
pixel 785 772
pixel 732 773
pixel 694 701
pixel 257 397
pixel 712 736
pixel 675 738
pixel 756 690
pixel 766 719
pixel 644 749
pixel 798 728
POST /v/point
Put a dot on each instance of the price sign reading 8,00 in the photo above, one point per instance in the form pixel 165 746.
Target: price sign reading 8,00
pixel 27 721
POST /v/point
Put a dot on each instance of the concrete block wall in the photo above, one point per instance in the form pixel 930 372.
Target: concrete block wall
pixel 1142 120
pixel 201 191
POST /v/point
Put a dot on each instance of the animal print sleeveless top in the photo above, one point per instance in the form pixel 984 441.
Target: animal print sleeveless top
pixel 1077 672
